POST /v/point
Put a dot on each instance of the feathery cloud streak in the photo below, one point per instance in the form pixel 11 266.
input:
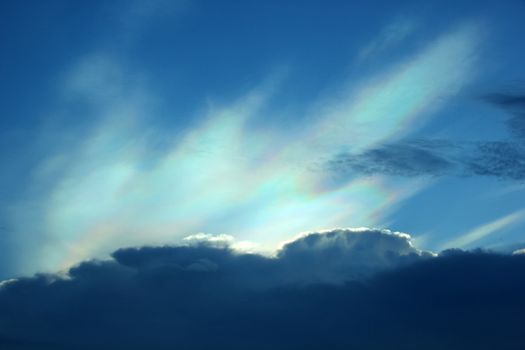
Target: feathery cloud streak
pixel 224 175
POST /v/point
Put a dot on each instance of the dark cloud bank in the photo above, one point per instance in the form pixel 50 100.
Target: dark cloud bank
pixel 502 159
pixel 343 289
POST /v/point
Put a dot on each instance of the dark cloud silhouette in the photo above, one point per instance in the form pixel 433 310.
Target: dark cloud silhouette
pixel 427 157
pixel 345 254
pixel 333 256
pixel 206 297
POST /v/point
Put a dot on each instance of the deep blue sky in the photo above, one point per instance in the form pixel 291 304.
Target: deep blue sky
pixel 129 123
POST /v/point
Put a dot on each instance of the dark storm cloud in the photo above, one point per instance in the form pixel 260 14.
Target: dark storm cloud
pixel 425 157
pixel 205 297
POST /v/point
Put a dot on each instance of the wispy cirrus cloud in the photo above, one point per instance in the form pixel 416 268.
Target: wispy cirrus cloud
pixel 386 107
pixel 468 238
pixel 390 36
pixel 109 187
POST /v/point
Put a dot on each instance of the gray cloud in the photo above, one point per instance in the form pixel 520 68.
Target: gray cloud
pixel 504 160
pixel 514 105
pixel 209 297
pixel 499 159
pixel 407 158
pixel 427 157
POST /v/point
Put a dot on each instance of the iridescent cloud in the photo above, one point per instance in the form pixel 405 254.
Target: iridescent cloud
pixel 224 175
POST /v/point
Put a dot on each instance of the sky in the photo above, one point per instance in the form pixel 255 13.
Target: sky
pixel 291 145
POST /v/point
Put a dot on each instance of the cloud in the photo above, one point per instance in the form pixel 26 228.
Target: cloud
pixel 221 240
pixel 505 160
pixel 333 256
pixel 390 36
pixel 514 104
pixel 502 159
pixel 485 229
pixel 207 238
pixel 155 177
pixel 427 157
pixel 406 158
pixel 384 107
pixel 506 100
pixel 205 297
pixel 346 254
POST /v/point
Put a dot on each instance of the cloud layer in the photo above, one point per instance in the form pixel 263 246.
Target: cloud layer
pixel 502 159
pixel 366 289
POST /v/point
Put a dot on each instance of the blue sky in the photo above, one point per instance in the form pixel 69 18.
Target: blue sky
pixel 129 123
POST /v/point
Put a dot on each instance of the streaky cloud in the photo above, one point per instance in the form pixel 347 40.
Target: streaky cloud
pixel 390 36
pixel 480 232
pixel 385 107
pixel 108 188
